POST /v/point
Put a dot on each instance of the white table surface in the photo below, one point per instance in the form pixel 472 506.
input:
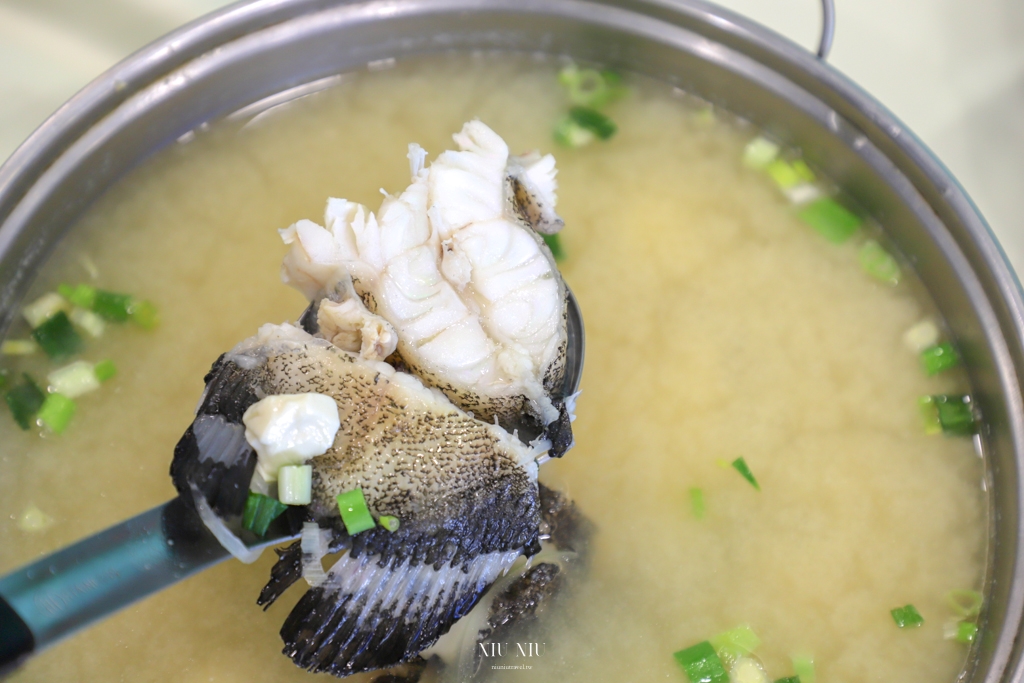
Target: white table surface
pixel 952 70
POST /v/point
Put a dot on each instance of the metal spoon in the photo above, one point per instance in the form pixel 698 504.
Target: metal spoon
pixel 53 597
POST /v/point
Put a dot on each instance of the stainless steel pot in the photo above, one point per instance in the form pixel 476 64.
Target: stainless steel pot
pixel 259 49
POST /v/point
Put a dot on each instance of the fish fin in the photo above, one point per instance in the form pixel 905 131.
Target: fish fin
pixel 562 523
pixel 560 432
pixel 518 604
pixel 213 455
pixel 367 616
pixel 285 572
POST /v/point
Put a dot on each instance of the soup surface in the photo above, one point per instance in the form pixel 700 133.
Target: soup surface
pixel 718 326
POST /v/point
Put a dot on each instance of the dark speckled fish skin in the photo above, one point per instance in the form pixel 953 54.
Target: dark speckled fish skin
pixel 459 487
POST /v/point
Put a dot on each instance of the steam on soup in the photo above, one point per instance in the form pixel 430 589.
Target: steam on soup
pixel 728 342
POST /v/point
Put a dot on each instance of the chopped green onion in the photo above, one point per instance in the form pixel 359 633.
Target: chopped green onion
pixel 33 519
pixel 105 370
pixel 960 631
pixel 44 308
pixel 113 306
pixel 940 357
pixel 921 335
pixel 907 616
pixel 789 679
pixel 24 401
pixel 701 664
pixel 295 484
pixel 145 314
pixel 759 152
pixel 804 193
pixel 929 415
pixel 18 347
pixel 736 643
pixel 803 665
pixel 82 296
pixel 830 218
pixel 88 321
pixel 748 670
pixel 740 465
pixel 555 245
pixel 965 603
pixel 952 412
pixel 803 170
pixel 878 263
pixel 260 511
pixel 697 505
pixel 354 512
pixel 594 121
pixel 784 175
pixel 55 413
pixel 57 337
pixel 74 380
pixel 570 134
pixel 589 87
pixel 390 523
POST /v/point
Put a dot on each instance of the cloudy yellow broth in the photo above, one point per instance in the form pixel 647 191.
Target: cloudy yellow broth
pixel 718 326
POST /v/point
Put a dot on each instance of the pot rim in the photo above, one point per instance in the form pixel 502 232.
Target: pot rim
pixel 928 176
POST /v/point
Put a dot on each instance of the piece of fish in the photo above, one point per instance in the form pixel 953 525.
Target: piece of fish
pixel 465 491
pixel 457 266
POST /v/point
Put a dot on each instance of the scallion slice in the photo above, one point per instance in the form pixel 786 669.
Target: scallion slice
pixel 735 643
pixel 555 245
pixel 24 401
pixel 74 380
pixel 740 465
pixel 105 370
pixel 962 632
pixel 18 347
pixel 144 314
pixel 44 308
pixel 260 511
pixel 929 415
pixel 697 505
pixel 83 296
pixel 56 412
pixel 921 335
pixel 789 679
pixel 965 603
pixel 594 121
pixel 803 170
pixel 938 358
pixel 803 666
pixel 295 484
pixel 784 175
pixel 831 219
pixel 113 306
pixel 955 414
pixel 590 87
pixel 878 263
pixel 57 338
pixel 701 664
pixel 88 321
pixel 759 152
pixel 907 616
pixel 390 522
pixel 570 134
pixel 354 512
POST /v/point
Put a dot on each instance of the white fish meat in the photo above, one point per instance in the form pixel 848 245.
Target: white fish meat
pixel 456 265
